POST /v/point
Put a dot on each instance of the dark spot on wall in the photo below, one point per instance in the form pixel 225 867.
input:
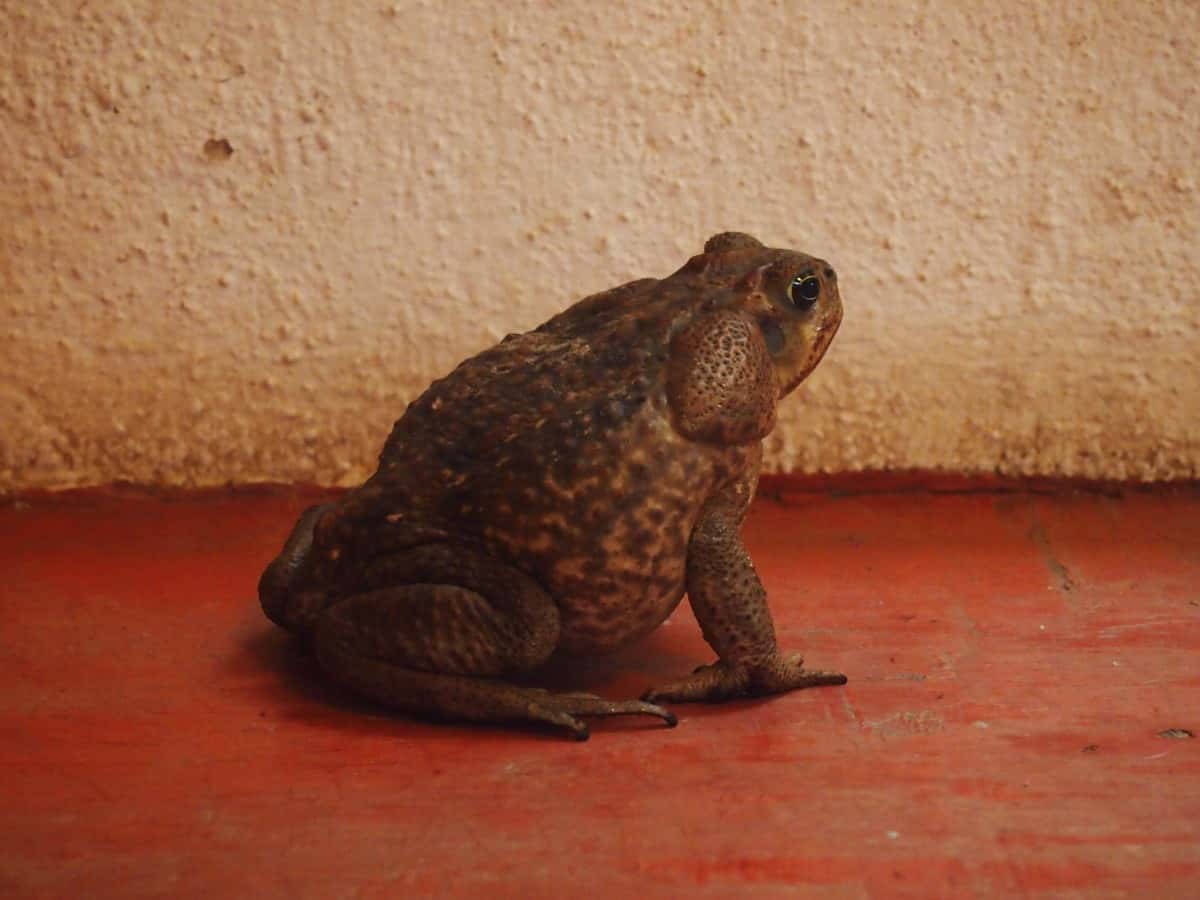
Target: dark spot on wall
pixel 218 149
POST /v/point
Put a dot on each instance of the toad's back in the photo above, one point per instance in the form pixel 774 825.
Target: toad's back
pixel 554 450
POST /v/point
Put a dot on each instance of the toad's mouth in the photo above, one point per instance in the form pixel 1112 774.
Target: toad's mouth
pixel 825 333
pixel 819 339
pixel 824 337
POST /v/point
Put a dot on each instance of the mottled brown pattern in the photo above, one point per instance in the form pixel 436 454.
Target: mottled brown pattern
pixel 562 490
pixel 720 380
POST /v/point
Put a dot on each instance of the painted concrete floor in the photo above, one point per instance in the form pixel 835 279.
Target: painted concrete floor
pixel 1024 680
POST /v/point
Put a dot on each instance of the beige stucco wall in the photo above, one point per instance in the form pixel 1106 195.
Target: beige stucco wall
pixel 1009 192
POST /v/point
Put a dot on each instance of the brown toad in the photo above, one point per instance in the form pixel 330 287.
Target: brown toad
pixel 562 491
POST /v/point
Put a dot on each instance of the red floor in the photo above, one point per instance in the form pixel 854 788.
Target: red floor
pixel 1018 665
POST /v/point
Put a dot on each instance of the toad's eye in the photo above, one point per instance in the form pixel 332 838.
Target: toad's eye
pixel 804 291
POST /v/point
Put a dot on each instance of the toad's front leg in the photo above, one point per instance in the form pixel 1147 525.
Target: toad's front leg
pixel 731 606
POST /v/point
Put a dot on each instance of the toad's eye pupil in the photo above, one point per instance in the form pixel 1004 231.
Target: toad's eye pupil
pixel 804 291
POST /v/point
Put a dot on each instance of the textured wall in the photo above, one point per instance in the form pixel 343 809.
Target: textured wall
pixel 237 237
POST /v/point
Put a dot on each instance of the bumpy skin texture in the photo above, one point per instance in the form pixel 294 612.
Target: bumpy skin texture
pixel 561 491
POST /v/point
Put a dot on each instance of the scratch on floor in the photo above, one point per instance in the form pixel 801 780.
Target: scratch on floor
pixel 1062 575
pixel 849 708
pixel 903 724
pixel 1113 632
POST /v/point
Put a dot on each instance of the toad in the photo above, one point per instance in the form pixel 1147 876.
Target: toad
pixel 561 492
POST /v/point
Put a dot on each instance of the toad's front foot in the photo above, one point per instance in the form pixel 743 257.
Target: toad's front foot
pixel 722 681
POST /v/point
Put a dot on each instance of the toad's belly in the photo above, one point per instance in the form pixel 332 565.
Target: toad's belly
pixel 616 609
pixel 606 531
pixel 621 585
pixel 615 567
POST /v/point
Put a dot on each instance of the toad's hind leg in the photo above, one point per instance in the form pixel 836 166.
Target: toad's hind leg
pixel 441 649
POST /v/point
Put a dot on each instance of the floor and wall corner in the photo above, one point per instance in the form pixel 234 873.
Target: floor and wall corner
pixel 235 242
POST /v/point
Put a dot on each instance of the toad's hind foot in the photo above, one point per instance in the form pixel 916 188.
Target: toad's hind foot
pixel 472 698
pixel 565 709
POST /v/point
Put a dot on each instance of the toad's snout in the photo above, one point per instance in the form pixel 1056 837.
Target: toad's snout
pixel 278 585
